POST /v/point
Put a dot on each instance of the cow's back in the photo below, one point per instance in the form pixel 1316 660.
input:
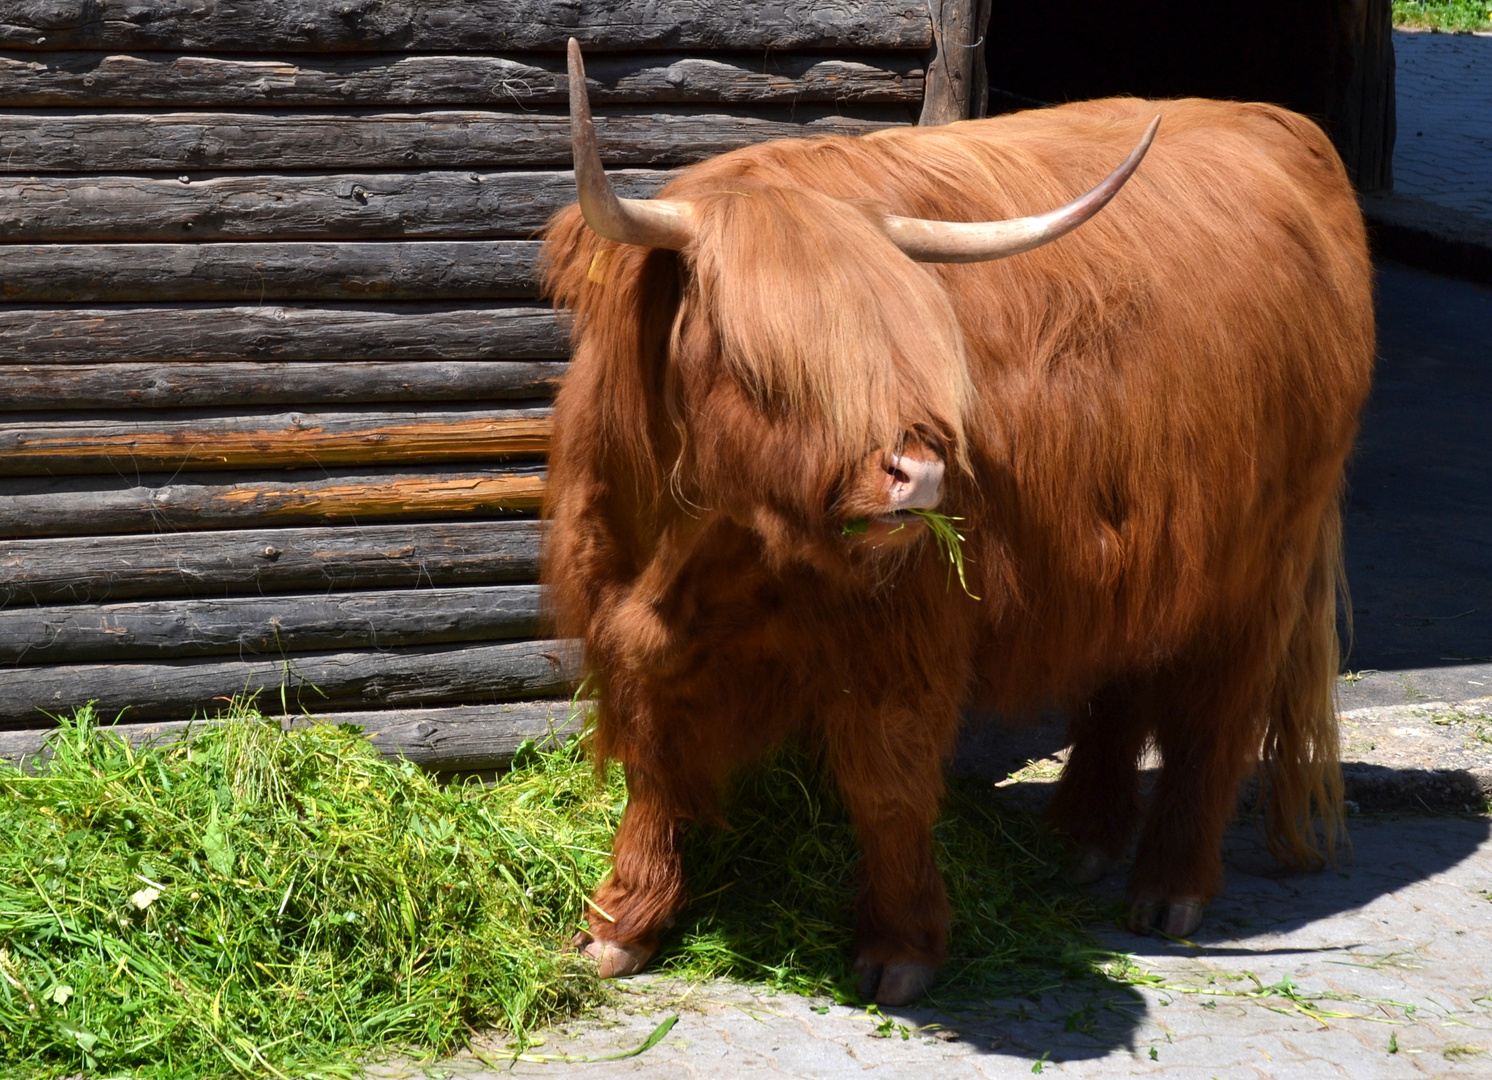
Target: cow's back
pixel 1166 397
pixel 1169 394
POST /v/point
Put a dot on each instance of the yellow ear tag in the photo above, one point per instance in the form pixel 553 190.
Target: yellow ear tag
pixel 599 261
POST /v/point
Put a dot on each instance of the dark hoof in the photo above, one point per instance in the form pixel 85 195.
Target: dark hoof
pixel 1090 865
pixel 1174 918
pixel 897 983
pixel 613 959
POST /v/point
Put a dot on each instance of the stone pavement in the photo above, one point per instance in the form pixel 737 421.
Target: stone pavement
pixel 1443 90
pixel 1439 214
pixel 1380 968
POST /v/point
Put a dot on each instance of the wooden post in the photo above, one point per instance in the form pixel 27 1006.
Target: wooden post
pixel 1360 111
pixel 956 85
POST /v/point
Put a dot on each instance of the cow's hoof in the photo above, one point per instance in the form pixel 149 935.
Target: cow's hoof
pixel 613 959
pixel 1173 918
pixel 898 983
pixel 1090 865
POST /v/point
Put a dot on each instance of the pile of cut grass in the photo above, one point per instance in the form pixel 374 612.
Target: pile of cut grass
pixel 250 902
pixel 257 902
pixel 1447 16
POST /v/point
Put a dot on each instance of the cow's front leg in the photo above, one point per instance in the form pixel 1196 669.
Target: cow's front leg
pixel 891 778
pixel 646 885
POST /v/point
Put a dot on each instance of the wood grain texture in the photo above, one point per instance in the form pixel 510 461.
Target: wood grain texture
pixel 48 444
pixel 258 272
pixel 92 506
pixel 311 26
pixel 271 332
pixel 401 678
pixel 83 80
pixel 954 74
pixel 461 738
pixel 280 208
pixel 273 627
pixel 245 385
pixel 188 142
pixel 94 569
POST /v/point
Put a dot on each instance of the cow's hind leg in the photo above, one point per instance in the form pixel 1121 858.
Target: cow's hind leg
pixel 891 778
pixel 1208 726
pixel 1097 805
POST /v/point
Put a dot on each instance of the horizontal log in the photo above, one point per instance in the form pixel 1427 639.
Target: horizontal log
pixel 81 569
pixel 229 384
pixel 254 273
pixel 461 738
pixel 247 626
pixel 252 142
pixel 84 506
pixel 270 332
pixel 248 26
pixel 155 80
pixel 281 208
pixel 179 689
pixel 47 444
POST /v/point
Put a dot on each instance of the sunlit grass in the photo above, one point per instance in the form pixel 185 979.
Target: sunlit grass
pixel 255 902
pixel 1449 16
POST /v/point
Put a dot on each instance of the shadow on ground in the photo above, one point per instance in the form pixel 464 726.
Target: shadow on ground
pixel 1419 507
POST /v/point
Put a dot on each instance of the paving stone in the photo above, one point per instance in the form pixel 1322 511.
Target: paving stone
pixel 1443 92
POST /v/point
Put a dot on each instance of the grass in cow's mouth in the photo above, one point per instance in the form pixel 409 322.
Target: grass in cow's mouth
pixel 945 533
pixel 950 542
pixel 255 902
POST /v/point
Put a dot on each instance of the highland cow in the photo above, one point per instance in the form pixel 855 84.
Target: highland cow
pixel 1140 428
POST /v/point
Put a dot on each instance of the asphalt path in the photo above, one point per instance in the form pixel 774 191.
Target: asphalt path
pixel 1419 506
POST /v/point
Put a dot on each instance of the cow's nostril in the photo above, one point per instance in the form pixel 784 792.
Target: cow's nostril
pixel 898 476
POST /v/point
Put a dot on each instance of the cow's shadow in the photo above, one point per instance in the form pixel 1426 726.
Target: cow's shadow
pixel 1086 1014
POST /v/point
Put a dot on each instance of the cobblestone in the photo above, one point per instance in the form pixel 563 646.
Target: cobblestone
pixel 1443 90
pixel 1381 967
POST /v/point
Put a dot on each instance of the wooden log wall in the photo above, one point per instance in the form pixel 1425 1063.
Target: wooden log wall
pixel 275 368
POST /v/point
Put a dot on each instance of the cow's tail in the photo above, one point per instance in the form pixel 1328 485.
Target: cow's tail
pixel 1300 773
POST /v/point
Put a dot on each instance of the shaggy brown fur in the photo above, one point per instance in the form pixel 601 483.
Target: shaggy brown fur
pixel 1145 422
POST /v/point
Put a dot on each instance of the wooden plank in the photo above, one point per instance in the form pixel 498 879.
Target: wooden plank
pixel 91 506
pixel 174 690
pixel 254 273
pixel 281 208
pixel 271 332
pixel 101 142
pixel 229 384
pixel 246 626
pixel 80 569
pixel 461 738
pixel 49 444
pixel 313 26
pixel 162 80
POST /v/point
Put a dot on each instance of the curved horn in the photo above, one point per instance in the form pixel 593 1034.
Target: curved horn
pixel 958 241
pixel 659 223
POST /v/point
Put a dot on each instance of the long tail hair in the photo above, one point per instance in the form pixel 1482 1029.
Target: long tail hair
pixel 1300 770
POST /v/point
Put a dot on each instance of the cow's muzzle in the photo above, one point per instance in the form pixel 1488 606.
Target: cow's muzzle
pixel 914 480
